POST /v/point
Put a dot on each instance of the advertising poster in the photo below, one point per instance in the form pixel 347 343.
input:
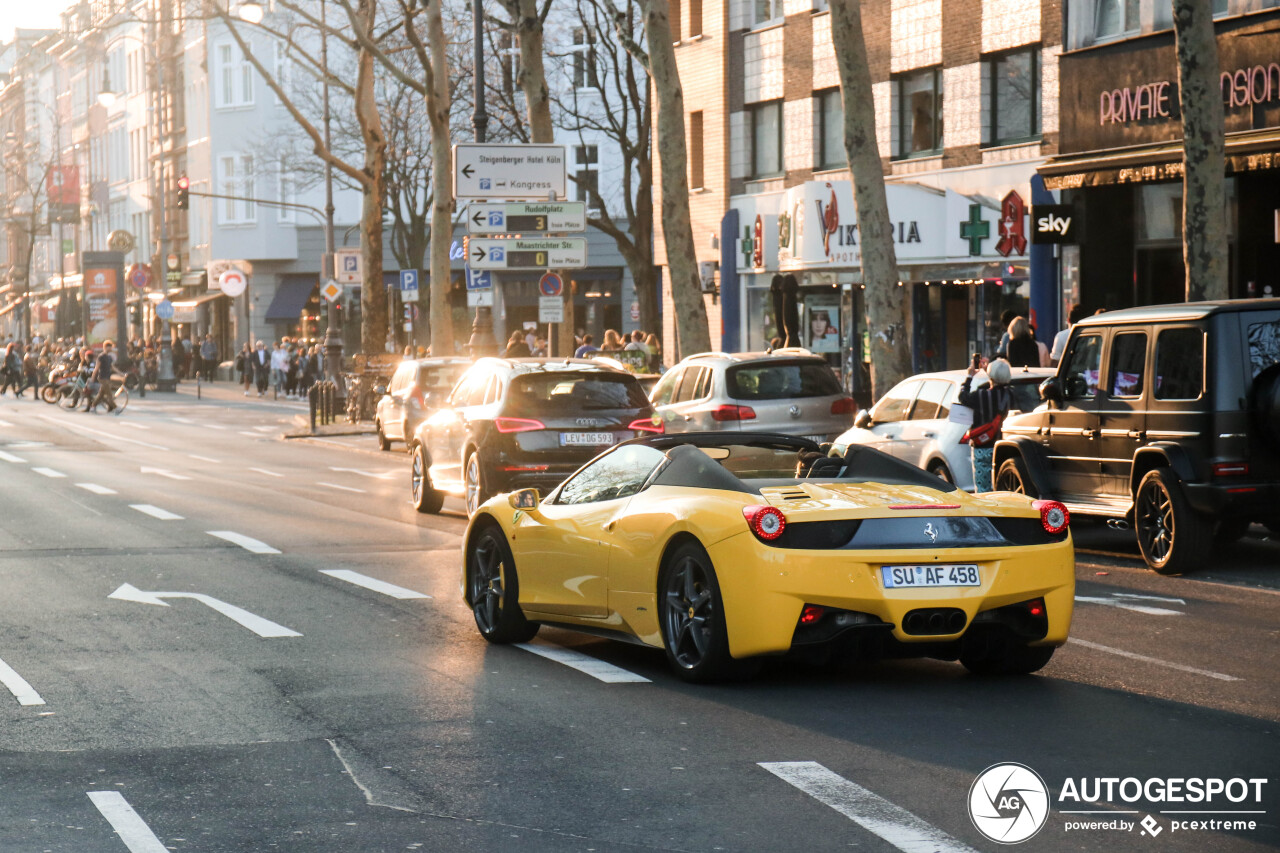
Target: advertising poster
pixel 822 323
pixel 100 301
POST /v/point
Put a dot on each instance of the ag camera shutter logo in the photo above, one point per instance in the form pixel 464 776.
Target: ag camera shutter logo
pixel 1008 803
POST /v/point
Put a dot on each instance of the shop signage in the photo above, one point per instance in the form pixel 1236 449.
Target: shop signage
pixel 1054 223
pixel 1013 215
pixel 64 193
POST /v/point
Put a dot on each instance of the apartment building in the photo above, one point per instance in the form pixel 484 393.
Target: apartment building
pixel 966 96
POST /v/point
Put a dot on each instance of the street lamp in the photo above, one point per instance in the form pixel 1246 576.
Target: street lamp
pixel 482 341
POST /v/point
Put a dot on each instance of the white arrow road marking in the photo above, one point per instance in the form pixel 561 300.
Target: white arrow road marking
pixel 96 489
pixel 205 459
pixel 372 583
pixel 165 473
pixel 381 475
pixel 594 667
pixel 49 472
pixel 131 828
pixel 9 457
pixel 156 512
pixel 343 488
pixel 1124 605
pixel 18 686
pixel 872 812
pixel 243 541
pixel 256 624
pixel 265 471
pixel 1134 656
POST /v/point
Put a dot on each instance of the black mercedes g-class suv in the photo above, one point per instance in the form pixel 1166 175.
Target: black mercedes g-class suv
pixel 1166 418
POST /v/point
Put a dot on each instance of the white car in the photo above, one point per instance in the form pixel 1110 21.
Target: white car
pixel 913 421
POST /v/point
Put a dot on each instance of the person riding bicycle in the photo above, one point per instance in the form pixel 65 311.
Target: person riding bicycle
pixel 101 375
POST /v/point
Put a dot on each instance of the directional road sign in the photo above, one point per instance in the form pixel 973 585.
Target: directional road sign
pixel 508 171
pixel 526 217
pixel 512 254
pixel 478 279
pixel 347 266
pixel 409 285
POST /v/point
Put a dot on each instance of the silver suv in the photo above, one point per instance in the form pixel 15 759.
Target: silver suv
pixel 790 391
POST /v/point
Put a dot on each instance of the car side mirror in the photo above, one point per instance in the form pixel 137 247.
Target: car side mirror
pixel 1051 391
pixel 863 419
pixel 526 499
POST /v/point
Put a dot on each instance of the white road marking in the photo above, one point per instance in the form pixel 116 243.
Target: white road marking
pixel 243 541
pixel 96 489
pixel 164 472
pixel 250 434
pixel 265 471
pixel 212 426
pixel 1149 597
pixel 372 583
pixel 91 430
pixel 1124 605
pixel 256 624
pixel 183 420
pixel 343 488
pixel 594 667
pixel 5 424
pixel 205 459
pixel 156 512
pixel 131 828
pixel 265 429
pixel 49 472
pixel 381 475
pixel 872 812
pixel 9 457
pixel 136 425
pixel 1134 656
pixel 18 686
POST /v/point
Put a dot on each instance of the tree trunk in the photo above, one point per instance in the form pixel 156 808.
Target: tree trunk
pixel 888 308
pixel 693 333
pixel 1204 220
pixel 533 75
pixel 373 295
pixel 439 105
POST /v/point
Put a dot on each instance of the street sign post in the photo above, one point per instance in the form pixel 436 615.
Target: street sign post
pixel 348 266
pixel 551 284
pixel 508 171
pixel 550 309
pixel 331 290
pixel 139 276
pixel 478 279
pixel 521 254
pixel 526 217
pixel 409 285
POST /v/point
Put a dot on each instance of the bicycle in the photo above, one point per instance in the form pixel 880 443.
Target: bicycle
pixel 120 396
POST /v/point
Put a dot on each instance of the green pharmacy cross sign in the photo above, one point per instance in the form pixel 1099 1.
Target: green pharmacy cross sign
pixel 975 229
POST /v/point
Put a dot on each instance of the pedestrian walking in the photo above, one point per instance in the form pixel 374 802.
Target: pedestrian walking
pixel 11 370
pixel 1075 315
pixel 245 366
pixel 100 379
pixel 1022 350
pixel 261 363
pixel 516 346
pixel 588 347
pixel 209 355
pixel 279 366
pixel 990 404
pixel 31 371
pixel 310 369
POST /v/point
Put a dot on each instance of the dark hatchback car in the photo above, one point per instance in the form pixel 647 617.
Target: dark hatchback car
pixel 523 423
pixel 1166 418
pixel 418 386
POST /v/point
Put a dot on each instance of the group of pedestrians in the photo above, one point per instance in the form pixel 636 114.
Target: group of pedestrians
pixel 290 367
pixel 27 366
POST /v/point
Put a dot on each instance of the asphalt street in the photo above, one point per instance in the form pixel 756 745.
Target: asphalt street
pixel 214 638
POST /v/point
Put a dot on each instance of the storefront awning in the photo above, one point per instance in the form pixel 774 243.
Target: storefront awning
pixel 289 300
pixel 1246 152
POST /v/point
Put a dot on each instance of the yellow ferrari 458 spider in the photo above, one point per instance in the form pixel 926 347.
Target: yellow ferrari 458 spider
pixel 721 547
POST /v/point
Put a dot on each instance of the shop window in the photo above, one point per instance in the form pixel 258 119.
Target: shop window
pixel 765 124
pixel 830 153
pixel 1179 364
pixel 1128 364
pixel 918 105
pixel 1012 92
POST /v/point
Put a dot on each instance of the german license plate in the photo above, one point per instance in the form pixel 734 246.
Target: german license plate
pixel 586 439
pixel 906 577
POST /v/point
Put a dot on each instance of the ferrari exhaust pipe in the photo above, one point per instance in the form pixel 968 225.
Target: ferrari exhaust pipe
pixel 1117 524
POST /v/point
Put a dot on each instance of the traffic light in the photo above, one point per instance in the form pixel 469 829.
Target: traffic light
pixel 184 184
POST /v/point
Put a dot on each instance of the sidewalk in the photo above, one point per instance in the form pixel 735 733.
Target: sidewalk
pixel 231 394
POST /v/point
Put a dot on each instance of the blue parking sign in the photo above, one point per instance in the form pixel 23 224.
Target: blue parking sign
pixel 478 279
pixel 408 279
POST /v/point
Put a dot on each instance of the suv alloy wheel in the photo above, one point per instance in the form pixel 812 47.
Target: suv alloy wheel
pixel 1174 538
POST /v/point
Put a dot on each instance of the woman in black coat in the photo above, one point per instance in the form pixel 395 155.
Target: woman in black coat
pixel 1023 351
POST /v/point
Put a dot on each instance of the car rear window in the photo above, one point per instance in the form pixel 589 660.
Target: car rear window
pixel 439 376
pixel 576 392
pixel 782 380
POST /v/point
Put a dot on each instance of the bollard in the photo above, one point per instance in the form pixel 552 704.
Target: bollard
pixel 311 402
pixel 197 386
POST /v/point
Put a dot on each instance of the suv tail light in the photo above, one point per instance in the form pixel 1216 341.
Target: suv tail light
pixel 1053 516
pixel 766 522
pixel 1230 469
pixel 844 406
pixel 517 424
pixel 653 424
pixel 417 396
pixel 733 413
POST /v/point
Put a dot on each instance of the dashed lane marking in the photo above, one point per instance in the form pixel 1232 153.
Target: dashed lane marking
pixel 212 426
pixel 205 459
pixel 380 475
pixel 373 584
pixel 135 425
pixel 250 434
pixel 131 828
pixel 872 812
pixel 265 471
pixel 245 542
pixel 9 457
pixel 594 667
pixel 49 472
pixel 18 686
pixel 1115 601
pixel 5 424
pixel 183 421
pixel 156 512
pixel 342 488
pixel 96 489
pixel 1135 656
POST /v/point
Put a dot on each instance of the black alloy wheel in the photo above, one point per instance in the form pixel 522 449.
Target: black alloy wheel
pixel 1013 477
pixel 1172 536
pixel 494 590
pixel 425 498
pixel 473 483
pixel 384 443
pixel 942 472
pixel 691 613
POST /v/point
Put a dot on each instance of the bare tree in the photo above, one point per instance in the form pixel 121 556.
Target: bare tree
pixel 1204 221
pixel 888 312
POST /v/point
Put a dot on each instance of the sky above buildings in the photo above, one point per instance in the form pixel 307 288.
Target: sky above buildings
pixel 24 13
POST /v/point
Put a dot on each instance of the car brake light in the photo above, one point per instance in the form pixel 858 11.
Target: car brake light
pixel 844 406
pixel 653 424
pixel 1035 607
pixel 1230 469
pixel 517 424
pixel 1053 516
pixel 766 522
pixel 811 613
pixel 733 413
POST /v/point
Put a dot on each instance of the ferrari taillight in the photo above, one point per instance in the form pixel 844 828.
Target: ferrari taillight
pixel 653 424
pixel 517 424
pixel 766 522
pixel 1053 515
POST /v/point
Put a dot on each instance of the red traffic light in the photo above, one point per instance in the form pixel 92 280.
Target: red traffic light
pixel 184 182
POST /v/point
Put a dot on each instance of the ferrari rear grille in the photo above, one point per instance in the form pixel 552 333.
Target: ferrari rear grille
pixel 791 495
